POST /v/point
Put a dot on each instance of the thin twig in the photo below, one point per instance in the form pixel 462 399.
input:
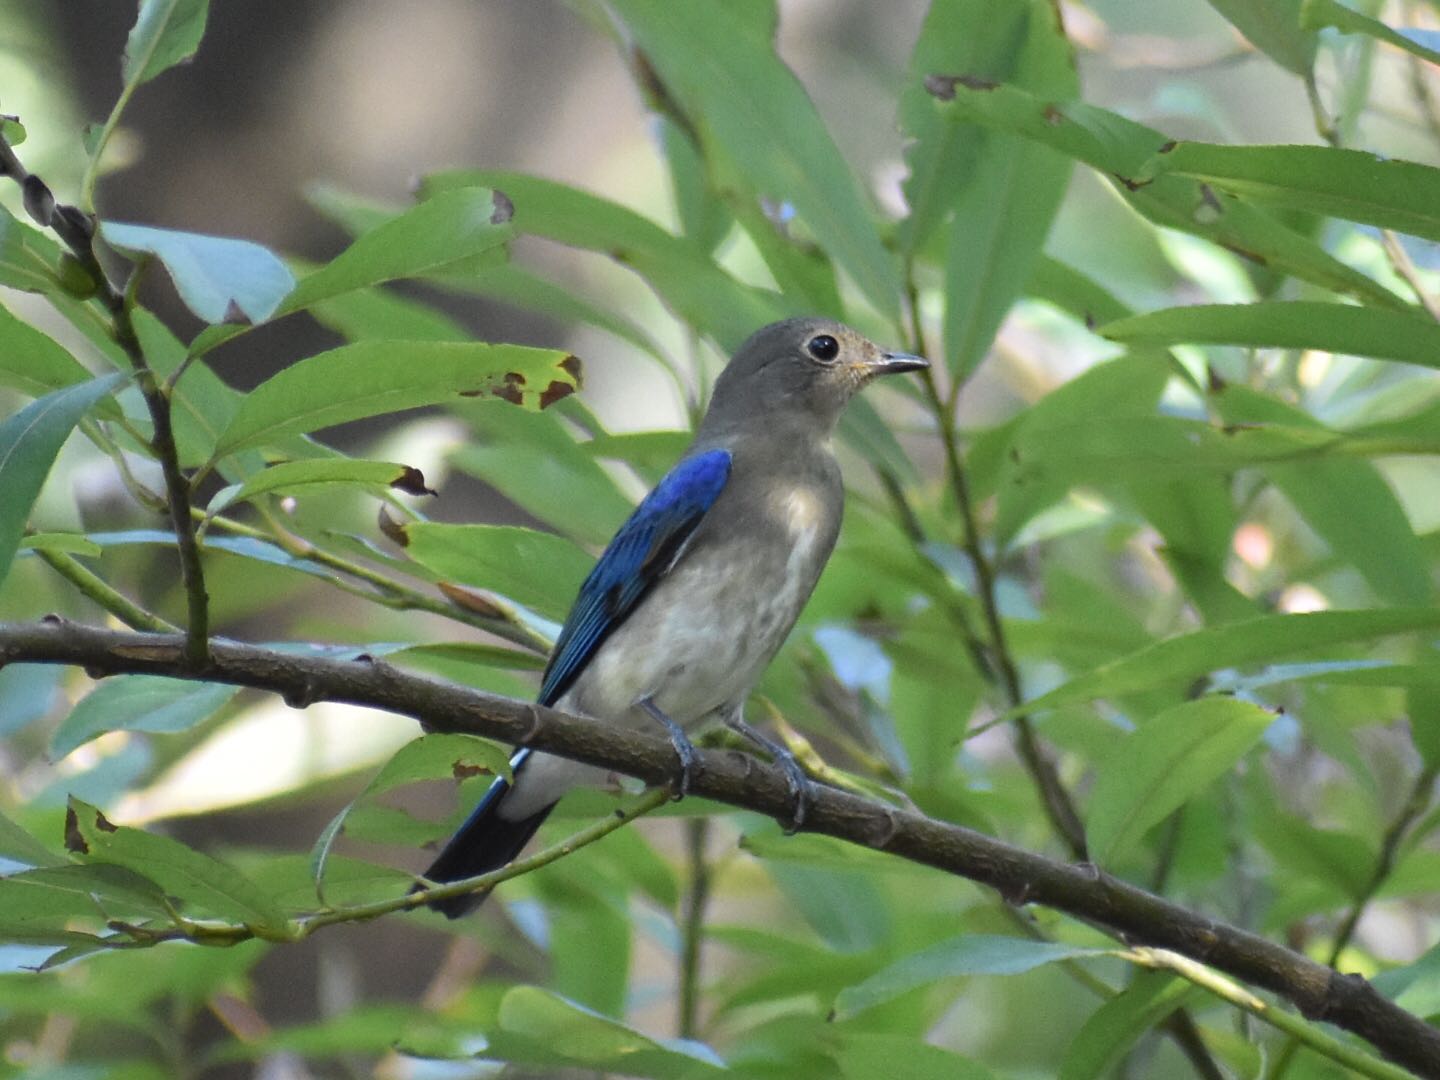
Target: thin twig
pixel 1420 88
pixel 692 928
pixel 1325 125
pixel 119 605
pixel 77 229
pixel 1400 260
pixel 384 590
pixel 209 932
pixel 1298 1029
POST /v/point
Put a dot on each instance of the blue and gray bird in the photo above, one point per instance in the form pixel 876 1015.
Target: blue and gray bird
pixel 699 588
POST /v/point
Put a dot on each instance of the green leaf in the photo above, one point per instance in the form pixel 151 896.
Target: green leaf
pixel 288 477
pixel 67 542
pixel 35 364
pixel 1349 184
pixel 1114 1028
pixel 536 569
pixel 243 546
pixel 1322 14
pixel 522 289
pixel 866 1055
pixel 139 703
pixel 27 256
pixel 541 1028
pixel 369 378
pixel 971 954
pixel 1424 709
pixel 222 280
pixel 166 33
pixel 1122 150
pixel 181 871
pixel 1273 27
pixel 649 453
pixel 703 217
pixel 96 891
pixel 1180 660
pixel 957 35
pixel 430 757
pixel 29 442
pixel 11 130
pixel 443 230
pixel 1288 324
pixel 681 274
pixel 1164 762
pixel 534 460
pixel 379 1030
pixel 731 82
pixel 1321 857
pixel 998 191
pixel 380 314
pixel 1026 464
pixel 470 653
pixel 441 756
pixel 19 846
pixel 589 924
pixel 27 693
pixel 1347 502
pixel 1051 451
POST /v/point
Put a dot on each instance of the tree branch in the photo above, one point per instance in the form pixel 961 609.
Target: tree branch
pixel 1134 916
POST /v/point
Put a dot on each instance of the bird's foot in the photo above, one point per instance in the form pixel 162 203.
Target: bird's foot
pixel 797 782
pixel 684 749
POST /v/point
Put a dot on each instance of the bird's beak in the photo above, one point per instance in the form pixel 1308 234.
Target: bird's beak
pixel 892 363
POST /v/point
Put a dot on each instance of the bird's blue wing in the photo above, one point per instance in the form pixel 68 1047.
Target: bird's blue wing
pixel 638 556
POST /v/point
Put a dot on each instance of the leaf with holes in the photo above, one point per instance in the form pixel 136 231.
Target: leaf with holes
pixel 288 477
pixel 193 877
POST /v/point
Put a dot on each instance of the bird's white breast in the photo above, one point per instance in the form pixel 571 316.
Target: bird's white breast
pixel 706 651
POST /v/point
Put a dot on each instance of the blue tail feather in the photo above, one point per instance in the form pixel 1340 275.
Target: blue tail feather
pixel 485 842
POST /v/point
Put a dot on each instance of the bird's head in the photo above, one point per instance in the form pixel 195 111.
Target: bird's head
pixel 803 370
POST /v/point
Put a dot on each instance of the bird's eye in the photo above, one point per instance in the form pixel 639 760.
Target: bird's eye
pixel 823 347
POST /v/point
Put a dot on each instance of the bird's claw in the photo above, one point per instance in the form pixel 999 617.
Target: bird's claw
pixel 797 782
pixel 798 785
pixel 685 755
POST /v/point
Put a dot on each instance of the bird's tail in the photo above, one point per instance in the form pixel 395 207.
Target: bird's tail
pixel 485 842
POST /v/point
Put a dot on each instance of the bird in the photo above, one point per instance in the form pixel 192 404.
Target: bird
pixel 699 588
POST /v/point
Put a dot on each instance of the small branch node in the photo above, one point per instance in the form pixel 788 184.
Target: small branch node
pixel 300 697
pixel 1017 895
pixel 887 827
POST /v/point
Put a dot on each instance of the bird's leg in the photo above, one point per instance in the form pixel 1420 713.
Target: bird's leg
pixel 796 780
pixel 684 748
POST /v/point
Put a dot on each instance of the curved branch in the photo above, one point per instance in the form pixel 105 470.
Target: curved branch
pixel 1083 891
